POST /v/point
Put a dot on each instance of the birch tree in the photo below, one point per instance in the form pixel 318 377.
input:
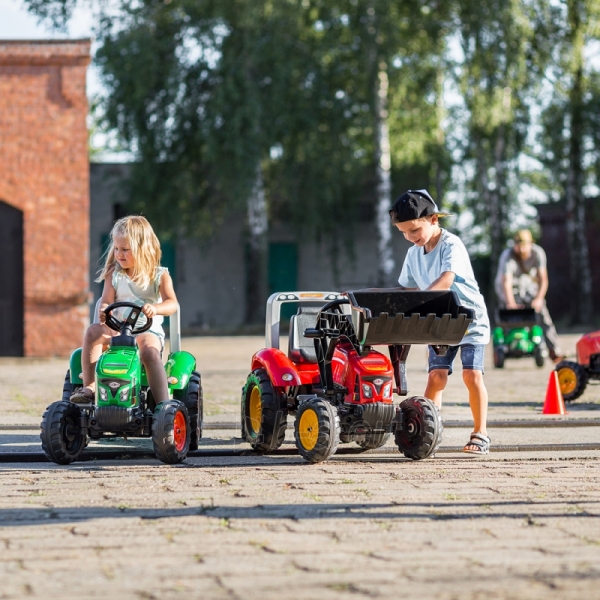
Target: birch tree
pixel 502 66
pixel 570 140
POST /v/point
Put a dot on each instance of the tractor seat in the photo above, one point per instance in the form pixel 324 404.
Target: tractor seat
pixel 301 349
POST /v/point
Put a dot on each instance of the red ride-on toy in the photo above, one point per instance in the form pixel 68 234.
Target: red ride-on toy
pixel 574 376
pixel 338 387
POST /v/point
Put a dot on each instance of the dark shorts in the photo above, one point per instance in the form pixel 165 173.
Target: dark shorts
pixel 471 356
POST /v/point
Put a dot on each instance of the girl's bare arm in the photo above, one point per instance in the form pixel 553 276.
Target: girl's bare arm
pixel 108 296
pixel 169 300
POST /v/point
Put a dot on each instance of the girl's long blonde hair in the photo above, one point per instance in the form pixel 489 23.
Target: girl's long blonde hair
pixel 145 249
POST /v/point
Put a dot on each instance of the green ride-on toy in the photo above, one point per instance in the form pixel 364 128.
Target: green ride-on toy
pixel 124 405
pixel 518 334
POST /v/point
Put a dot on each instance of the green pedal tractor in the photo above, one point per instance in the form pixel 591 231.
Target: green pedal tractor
pixel 518 334
pixel 124 405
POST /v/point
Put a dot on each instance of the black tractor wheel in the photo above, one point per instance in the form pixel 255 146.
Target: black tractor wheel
pixel 374 440
pixel 421 433
pixel 192 398
pixel 63 440
pixel 572 379
pixel 538 356
pixel 499 357
pixel 264 413
pixel 68 387
pixel 171 431
pixel 317 430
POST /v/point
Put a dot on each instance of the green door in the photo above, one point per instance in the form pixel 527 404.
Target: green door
pixel 283 272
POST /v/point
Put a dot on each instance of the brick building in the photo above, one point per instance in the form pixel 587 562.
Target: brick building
pixel 44 196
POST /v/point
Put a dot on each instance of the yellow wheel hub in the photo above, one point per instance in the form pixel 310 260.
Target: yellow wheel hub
pixel 567 380
pixel 255 410
pixel 308 428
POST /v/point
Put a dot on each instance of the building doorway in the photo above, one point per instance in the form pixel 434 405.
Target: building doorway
pixel 283 272
pixel 12 330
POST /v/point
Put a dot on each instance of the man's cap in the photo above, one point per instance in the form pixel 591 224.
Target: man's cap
pixel 523 236
pixel 414 204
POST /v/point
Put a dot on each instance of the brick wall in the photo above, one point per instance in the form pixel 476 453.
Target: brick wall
pixel 44 173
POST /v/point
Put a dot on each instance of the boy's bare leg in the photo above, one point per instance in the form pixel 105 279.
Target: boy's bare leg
pixel 96 338
pixel 478 401
pixel 436 384
pixel 150 349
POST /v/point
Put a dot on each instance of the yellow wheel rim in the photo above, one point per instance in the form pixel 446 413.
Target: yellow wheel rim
pixel 255 410
pixel 308 429
pixel 567 380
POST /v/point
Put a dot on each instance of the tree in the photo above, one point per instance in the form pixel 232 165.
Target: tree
pixel 274 107
pixel 570 139
pixel 502 66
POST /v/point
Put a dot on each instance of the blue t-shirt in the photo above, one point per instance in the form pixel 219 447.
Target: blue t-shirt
pixel 421 269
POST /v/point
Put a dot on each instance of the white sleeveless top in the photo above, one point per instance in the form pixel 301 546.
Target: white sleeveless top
pixel 128 291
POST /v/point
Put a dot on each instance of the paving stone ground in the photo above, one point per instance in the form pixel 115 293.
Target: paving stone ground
pixel 513 525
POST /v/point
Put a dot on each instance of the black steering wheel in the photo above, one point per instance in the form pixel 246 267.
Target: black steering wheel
pixel 128 323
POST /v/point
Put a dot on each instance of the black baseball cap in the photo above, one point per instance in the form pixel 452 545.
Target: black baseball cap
pixel 414 204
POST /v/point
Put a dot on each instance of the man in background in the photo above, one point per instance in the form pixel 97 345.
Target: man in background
pixel 522 281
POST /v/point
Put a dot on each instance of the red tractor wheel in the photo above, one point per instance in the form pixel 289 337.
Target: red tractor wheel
pixel 572 379
pixel 171 432
pixel 264 413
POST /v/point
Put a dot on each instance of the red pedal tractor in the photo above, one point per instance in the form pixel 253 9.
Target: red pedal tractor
pixel 338 387
pixel 574 376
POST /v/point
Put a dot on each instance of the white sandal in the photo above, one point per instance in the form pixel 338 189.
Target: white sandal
pixel 482 442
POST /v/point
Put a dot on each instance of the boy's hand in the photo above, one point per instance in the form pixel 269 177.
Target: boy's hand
pixel 149 310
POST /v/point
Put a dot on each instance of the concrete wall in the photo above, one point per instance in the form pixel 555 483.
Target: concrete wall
pixel 45 174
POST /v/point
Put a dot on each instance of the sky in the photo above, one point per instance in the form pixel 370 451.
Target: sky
pixel 16 23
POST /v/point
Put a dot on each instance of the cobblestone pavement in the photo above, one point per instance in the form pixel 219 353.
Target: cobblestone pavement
pixel 513 525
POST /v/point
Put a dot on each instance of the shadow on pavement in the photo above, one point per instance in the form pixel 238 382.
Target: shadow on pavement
pixel 528 511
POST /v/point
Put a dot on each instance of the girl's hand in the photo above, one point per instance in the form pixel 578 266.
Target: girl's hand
pixel 149 310
pixel 101 315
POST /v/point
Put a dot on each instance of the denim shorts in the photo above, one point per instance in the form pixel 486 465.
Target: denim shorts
pixel 471 356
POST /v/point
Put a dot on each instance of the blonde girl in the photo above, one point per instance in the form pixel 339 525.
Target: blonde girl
pixel 131 273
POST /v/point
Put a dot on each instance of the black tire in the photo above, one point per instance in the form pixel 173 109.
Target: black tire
pixel 171 432
pixel 317 430
pixel 498 357
pixel 192 398
pixel 538 355
pixel 63 440
pixel 374 440
pixel 572 379
pixel 264 413
pixel 68 387
pixel 421 434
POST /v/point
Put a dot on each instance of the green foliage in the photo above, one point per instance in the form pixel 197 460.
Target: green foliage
pixel 203 92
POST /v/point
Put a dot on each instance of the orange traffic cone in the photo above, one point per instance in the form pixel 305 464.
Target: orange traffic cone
pixel 554 404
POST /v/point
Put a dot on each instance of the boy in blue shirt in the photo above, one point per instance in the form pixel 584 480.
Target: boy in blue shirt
pixel 439 261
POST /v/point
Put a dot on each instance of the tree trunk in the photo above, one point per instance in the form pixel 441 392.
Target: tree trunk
pixel 256 263
pixel 581 278
pixel 383 158
pixel 497 207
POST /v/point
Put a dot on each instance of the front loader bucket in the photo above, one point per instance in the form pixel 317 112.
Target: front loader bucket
pixel 391 316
